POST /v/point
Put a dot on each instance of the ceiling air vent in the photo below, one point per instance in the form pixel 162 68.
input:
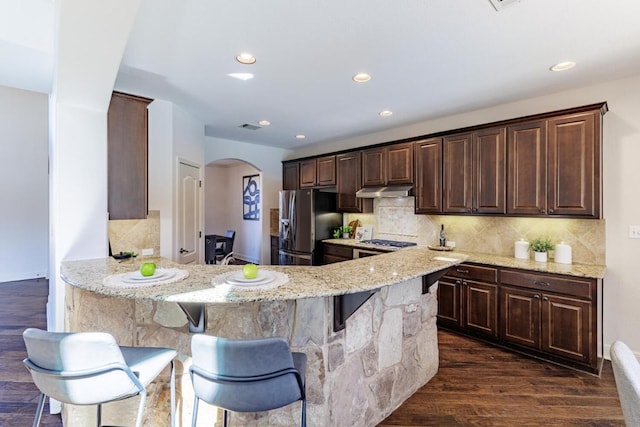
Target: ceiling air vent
pixel 498 5
pixel 249 126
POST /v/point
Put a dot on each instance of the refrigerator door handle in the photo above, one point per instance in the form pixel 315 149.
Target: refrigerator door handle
pixel 292 255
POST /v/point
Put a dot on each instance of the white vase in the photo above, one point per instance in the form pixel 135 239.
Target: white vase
pixel 540 256
pixel 345 235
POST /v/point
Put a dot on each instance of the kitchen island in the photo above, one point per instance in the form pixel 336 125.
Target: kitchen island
pixel 355 376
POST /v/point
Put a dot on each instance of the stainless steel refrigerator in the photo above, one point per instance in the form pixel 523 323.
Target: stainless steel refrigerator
pixel 306 218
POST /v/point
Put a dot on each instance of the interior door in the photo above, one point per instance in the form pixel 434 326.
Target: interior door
pixel 188 236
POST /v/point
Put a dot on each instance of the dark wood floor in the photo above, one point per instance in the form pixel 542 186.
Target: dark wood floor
pixel 480 385
pixel 22 305
pixel 476 385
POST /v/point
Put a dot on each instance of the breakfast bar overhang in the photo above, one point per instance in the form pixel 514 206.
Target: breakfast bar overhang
pixel 355 376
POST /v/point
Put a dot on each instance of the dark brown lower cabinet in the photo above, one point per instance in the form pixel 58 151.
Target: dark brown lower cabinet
pixel 549 316
pixel 469 305
pixel 336 253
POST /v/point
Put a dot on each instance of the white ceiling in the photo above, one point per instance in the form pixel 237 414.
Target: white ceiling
pixel 427 58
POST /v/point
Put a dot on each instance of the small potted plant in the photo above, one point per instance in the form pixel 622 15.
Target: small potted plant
pixel 540 246
pixel 344 231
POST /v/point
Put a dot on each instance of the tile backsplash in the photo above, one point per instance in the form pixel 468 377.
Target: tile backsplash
pixel 394 219
pixel 134 235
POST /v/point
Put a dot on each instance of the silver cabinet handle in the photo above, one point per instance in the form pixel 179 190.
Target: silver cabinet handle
pixel 541 283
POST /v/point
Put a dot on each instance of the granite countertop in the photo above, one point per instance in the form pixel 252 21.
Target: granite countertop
pixel 363 274
pixel 592 271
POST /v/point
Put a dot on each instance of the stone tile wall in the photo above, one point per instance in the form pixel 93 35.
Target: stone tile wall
pixel 134 235
pixel 394 219
pixel 355 377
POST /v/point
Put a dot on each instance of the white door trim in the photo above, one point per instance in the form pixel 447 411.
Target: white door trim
pixel 176 207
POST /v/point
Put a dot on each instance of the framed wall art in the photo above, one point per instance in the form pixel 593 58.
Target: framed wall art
pixel 251 197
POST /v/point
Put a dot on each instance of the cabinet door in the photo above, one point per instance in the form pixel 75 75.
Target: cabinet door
pixel 527 175
pixel 449 302
pixel 567 327
pixel 127 156
pixel 326 171
pixel 274 250
pixel 400 164
pixel 489 153
pixel 574 165
pixel 457 183
pixel 290 172
pixel 428 184
pixel 308 173
pixel 374 167
pixel 520 317
pixel 480 302
pixel 348 181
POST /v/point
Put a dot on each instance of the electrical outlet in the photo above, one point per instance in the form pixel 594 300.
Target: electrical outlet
pixel 634 231
pixel 147 252
pixel 451 244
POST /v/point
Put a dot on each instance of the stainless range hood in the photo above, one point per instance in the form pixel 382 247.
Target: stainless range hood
pixel 375 192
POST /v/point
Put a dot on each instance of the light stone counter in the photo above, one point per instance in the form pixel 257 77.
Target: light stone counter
pixel 592 271
pixel 304 282
pixel 355 376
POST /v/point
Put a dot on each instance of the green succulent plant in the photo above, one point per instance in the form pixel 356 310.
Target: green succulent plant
pixel 540 244
pixel 338 232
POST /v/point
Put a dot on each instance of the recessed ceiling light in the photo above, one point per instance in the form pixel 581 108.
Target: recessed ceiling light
pixel 241 76
pixel 385 113
pixel 264 122
pixel 361 77
pixel 563 66
pixel 300 136
pixel 246 58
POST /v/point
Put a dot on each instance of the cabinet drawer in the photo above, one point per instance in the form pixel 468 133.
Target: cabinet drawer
pixel 338 250
pixel 580 288
pixel 475 272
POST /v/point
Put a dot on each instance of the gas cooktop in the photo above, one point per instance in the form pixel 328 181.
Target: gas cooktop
pixel 388 243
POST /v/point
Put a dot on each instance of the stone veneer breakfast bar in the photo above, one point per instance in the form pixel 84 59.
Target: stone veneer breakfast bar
pixel 355 376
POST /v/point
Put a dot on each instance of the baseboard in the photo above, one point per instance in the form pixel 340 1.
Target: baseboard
pixel 16 277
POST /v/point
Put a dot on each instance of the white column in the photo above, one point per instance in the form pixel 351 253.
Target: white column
pixel 90 40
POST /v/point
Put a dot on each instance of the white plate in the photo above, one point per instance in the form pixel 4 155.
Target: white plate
pixel 137 277
pixel 238 278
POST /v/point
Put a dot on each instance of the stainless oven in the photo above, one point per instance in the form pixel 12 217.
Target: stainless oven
pixel 361 253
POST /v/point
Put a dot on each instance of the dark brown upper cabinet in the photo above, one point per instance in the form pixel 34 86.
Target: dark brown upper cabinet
pixel 127 124
pixel 428 176
pixel 573 174
pixel 290 178
pixel 527 176
pixel 474 172
pixel 308 173
pixel 349 181
pixel 316 172
pixel 326 171
pixel 555 166
pixel 389 165
pixel 537 166
pixel 457 183
pixel 489 171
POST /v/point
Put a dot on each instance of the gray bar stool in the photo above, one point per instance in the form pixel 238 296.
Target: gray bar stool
pixel 89 368
pixel 246 375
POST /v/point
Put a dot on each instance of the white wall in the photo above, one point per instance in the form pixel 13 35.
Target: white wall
pixel 174 135
pixel 24 184
pixel 621 153
pixel 223 209
pixel 268 161
pixel 217 196
pixel 161 164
